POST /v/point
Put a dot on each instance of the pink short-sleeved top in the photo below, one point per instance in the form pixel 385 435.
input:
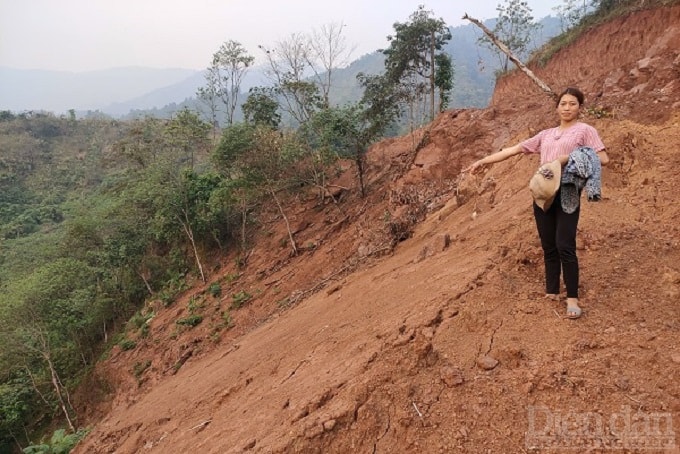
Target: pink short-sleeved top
pixel 553 143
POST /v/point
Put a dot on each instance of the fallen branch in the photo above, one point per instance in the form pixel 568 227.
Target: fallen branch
pixel 200 426
pixel 417 411
pixel 512 56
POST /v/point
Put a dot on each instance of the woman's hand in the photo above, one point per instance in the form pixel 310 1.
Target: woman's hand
pixel 604 157
pixel 472 168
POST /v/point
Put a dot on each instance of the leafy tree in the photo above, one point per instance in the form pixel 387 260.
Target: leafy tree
pixel 236 140
pixel 45 326
pixel 348 131
pixel 209 96
pixel 110 233
pixel 6 115
pixel 444 79
pixel 259 162
pixel 188 135
pixel 515 27
pixel 261 107
pixel 288 63
pixel 381 103
pixel 318 156
pixel 143 144
pixel 224 77
pixel 341 131
pixel 16 404
pixel 411 59
pixel 189 207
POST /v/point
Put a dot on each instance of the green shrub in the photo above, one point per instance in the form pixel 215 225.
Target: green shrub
pixel 191 320
pixel 139 320
pixel 167 298
pixel 172 289
pixel 194 304
pixel 226 318
pixel 127 344
pixel 240 298
pixel 60 443
pixel 215 289
pixel 139 368
pixel 231 278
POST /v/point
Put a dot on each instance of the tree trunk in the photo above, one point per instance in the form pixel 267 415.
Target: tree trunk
pixel 190 235
pixel 35 386
pixel 244 223
pixel 57 389
pixel 285 218
pixel 146 283
pixel 512 56
pixel 56 383
pixel 432 78
pixel 360 171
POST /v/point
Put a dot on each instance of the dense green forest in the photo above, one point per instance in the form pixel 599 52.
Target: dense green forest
pixel 98 215
pixel 84 238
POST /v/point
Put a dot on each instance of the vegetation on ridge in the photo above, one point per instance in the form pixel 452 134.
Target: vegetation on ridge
pixel 579 18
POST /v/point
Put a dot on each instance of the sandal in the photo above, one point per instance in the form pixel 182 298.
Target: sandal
pixel 573 310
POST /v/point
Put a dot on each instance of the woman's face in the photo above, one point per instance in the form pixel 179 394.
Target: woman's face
pixel 568 108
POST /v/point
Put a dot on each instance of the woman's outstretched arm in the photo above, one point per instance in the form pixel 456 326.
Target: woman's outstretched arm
pixel 499 156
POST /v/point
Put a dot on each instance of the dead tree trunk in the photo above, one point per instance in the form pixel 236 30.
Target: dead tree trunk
pixel 146 282
pixel 293 245
pixel 190 235
pixel 512 56
pixel 59 390
pixel 56 383
pixel 432 75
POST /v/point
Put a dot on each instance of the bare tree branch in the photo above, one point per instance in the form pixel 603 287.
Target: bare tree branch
pixel 512 56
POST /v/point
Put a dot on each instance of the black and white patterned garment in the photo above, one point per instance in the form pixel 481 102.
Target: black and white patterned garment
pixel 583 170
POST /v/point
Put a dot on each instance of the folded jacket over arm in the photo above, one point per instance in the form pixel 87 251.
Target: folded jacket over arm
pixel 583 170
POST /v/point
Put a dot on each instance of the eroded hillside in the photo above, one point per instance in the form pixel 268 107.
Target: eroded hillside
pixel 413 320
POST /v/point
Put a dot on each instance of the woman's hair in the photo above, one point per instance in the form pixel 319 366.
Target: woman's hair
pixel 578 94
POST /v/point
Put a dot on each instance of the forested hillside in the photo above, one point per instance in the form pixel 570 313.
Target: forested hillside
pixel 94 216
pixel 135 256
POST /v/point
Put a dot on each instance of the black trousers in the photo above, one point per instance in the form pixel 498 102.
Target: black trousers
pixel 557 231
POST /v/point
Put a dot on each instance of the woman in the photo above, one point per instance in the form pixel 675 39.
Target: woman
pixel 557 228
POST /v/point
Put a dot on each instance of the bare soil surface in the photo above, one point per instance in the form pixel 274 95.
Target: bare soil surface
pixel 414 320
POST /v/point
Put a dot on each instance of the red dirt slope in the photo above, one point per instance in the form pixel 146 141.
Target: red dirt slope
pixel 413 320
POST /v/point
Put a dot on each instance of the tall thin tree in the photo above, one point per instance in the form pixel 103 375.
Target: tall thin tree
pixel 411 58
pixel 225 76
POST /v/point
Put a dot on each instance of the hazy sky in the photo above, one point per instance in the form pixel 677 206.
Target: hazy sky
pixel 83 35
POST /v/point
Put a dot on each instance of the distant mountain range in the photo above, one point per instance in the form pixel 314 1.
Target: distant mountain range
pixel 134 91
pixel 59 91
